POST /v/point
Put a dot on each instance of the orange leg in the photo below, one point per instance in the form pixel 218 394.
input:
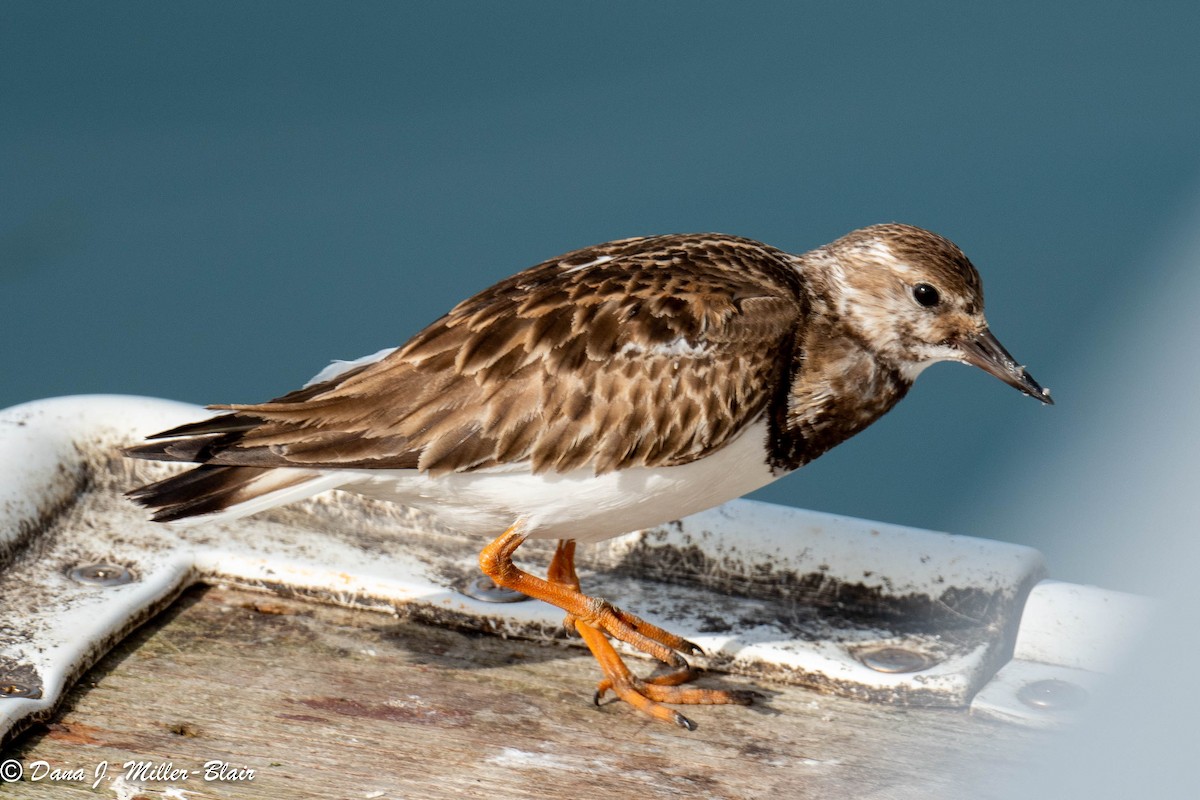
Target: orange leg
pixel 562 571
pixel 562 565
pixel 593 618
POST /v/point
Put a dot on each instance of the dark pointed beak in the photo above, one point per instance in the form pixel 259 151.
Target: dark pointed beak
pixel 984 351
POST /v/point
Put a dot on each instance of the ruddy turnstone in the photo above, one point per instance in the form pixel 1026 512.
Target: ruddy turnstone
pixel 610 389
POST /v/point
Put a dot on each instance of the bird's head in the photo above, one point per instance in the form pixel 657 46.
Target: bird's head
pixel 915 299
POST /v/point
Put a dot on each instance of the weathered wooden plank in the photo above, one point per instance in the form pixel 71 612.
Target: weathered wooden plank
pixel 325 702
pixel 806 598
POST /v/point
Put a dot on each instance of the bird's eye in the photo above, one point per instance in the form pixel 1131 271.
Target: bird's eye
pixel 926 295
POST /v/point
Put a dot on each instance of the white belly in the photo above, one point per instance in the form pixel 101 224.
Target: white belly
pixel 577 505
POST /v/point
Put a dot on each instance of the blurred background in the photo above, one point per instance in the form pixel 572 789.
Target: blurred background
pixel 209 202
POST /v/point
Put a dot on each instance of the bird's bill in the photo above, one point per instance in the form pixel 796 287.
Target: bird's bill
pixel 985 351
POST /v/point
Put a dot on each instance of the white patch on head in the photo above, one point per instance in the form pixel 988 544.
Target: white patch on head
pixel 337 368
pixel 677 348
pixel 881 252
pixel 592 263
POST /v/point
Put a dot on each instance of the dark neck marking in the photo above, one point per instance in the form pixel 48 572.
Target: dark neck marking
pixel 794 439
pixel 786 446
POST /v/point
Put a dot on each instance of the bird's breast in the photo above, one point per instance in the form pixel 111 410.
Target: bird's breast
pixel 837 389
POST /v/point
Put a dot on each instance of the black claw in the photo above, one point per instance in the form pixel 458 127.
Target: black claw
pixel 692 649
pixel 746 697
pixel 596 698
pixel 684 722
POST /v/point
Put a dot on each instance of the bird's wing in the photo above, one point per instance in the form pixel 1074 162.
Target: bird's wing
pixel 643 352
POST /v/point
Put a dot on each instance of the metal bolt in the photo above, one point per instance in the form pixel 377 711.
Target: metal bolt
pixel 481 587
pixel 101 574
pixel 896 659
pixel 1052 695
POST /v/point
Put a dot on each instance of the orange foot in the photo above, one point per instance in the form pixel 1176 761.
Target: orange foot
pixel 592 618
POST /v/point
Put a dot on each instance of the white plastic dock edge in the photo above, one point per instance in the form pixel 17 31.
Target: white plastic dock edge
pixel 871 610
pixel 1070 640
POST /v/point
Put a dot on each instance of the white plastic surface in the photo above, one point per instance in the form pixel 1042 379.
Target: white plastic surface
pixel 763 589
pixel 1070 638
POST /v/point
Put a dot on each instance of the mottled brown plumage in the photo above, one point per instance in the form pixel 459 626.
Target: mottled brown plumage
pixel 642 352
pixel 654 358
pixel 609 389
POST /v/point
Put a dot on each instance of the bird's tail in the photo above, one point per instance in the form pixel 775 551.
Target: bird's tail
pixel 214 492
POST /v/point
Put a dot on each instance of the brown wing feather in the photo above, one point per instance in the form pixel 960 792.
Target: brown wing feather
pixel 642 352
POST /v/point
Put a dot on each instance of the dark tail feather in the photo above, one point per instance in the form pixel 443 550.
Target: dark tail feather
pixel 222 423
pixel 195 450
pixel 209 489
pixel 196 441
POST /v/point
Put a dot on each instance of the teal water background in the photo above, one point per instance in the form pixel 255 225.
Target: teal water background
pixel 211 201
